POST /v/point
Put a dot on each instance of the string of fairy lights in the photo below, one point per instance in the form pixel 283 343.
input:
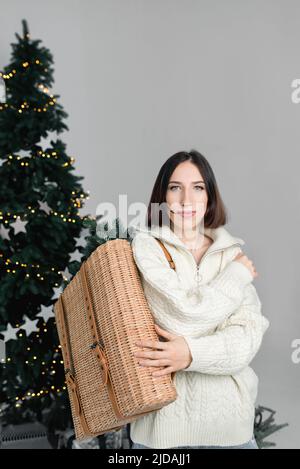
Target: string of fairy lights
pixel 52 371
pixel 32 362
pixel 25 65
pixel 53 154
pixel 10 216
pixel 11 265
pixel 41 393
pixel 22 160
pixel 6 218
pixel 38 275
pixel 25 105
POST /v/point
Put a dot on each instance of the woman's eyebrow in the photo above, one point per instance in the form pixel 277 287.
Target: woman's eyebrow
pixel 178 182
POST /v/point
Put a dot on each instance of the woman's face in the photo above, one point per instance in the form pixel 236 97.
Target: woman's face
pixel 186 197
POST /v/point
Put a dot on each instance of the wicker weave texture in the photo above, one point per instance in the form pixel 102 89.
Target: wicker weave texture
pixel 122 317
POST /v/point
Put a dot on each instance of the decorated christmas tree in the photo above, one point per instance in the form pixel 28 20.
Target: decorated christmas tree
pixel 40 226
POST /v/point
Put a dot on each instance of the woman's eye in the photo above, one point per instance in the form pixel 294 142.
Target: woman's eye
pixel 174 187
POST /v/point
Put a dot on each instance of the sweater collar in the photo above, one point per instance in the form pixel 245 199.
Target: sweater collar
pixel 222 239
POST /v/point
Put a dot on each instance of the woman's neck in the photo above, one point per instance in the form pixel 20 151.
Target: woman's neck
pixel 192 238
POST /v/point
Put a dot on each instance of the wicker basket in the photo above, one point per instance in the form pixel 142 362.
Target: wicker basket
pixel 99 316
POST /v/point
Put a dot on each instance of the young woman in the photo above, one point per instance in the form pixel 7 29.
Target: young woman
pixel 206 310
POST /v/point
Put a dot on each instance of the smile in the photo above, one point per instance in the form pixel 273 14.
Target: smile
pixel 186 214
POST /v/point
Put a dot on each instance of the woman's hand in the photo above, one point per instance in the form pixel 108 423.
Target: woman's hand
pixel 174 355
pixel 241 257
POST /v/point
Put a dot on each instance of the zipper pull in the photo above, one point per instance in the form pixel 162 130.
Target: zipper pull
pixel 198 275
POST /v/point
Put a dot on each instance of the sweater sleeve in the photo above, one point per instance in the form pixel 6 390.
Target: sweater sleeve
pixel 217 299
pixel 233 346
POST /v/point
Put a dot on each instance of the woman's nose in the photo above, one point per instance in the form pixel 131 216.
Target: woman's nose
pixel 186 200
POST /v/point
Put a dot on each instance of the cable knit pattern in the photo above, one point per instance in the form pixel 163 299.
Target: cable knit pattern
pixel 221 321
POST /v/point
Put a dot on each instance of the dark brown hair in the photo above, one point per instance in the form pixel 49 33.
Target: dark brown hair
pixel 215 214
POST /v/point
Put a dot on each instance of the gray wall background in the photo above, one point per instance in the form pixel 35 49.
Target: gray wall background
pixel 142 80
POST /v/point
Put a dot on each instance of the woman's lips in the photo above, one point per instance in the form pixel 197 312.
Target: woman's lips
pixel 186 214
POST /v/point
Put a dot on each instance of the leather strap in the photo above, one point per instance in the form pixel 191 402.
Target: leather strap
pixel 69 371
pixel 172 265
pixel 167 254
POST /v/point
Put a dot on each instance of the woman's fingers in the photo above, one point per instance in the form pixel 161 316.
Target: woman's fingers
pixel 152 344
pixel 150 354
pixel 241 257
pixel 154 362
pixel 164 372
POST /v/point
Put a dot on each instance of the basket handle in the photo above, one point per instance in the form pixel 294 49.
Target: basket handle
pixel 70 376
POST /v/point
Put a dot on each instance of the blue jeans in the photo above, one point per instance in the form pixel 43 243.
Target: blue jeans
pixel 251 444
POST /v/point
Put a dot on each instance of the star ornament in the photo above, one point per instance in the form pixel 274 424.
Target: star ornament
pixel 44 206
pixel 56 293
pixel 46 313
pixel 4 232
pixel 75 256
pixel 66 274
pixel 19 225
pixel 11 332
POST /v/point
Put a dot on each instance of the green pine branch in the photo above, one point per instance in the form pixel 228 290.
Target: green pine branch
pixel 265 427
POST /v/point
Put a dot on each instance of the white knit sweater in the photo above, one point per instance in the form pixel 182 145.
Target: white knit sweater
pixel 216 308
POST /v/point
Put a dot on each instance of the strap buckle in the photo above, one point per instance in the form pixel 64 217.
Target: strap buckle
pixel 100 343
